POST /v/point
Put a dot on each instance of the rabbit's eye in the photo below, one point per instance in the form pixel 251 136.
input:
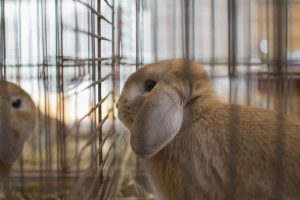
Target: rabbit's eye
pixel 149 85
pixel 16 103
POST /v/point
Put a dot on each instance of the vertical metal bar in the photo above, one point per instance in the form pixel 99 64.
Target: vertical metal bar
pixel 248 50
pixel 154 28
pixel 39 136
pixel 139 62
pixel 99 90
pixel 137 33
pixel 192 27
pixel 19 64
pixel 115 90
pixel 141 34
pixel 186 29
pixel 289 86
pixel 118 46
pixel 59 87
pixel 2 41
pixel 183 42
pixel 62 106
pixel 280 49
pixel 292 24
pixel 57 53
pixel 212 40
pixel 233 151
pixel 113 64
pixel 232 36
pixel 137 45
pixel 269 58
pixel 186 32
pixel 18 39
pixel 280 57
pixel 174 25
pixel 45 81
pixel 234 112
pixel 76 96
pixel 93 96
pixel 280 31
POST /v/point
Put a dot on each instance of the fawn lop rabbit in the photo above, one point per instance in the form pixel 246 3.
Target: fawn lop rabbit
pixel 195 147
pixel 17 123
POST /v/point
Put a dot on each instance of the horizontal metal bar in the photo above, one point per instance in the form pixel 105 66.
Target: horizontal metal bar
pixel 67 58
pixel 100 169
pixel 89 86
pixel 94 134
pixel 225 63
pixel 92 110
pixel 255 75
pixel 44 65
pixel 102 143
pixel 110 134
pixel 92 34
pixel 88 171
pixel 94 11
pixel 105 178
pixel 87 33
pixel 277 74
pixel 105 19
pixel 219 64
pixel 95 83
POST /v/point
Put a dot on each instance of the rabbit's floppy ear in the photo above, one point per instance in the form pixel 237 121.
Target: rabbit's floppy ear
pixel 11 143
pixel 160 116
pixel 11 147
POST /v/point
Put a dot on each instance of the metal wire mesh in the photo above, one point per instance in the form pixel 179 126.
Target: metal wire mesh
pixel 62 53
pixel 249 48
pixel 249 41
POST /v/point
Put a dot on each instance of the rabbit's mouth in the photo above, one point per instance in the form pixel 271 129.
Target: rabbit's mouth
pixel 125 116
pixel 127 109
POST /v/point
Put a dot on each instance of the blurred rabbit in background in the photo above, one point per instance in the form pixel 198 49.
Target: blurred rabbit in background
pixel 17 123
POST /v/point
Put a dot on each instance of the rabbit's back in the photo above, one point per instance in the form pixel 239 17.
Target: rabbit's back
pixel 231 151
pixel 263 150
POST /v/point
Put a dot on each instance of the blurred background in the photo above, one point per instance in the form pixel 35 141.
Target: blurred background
pixel 73 57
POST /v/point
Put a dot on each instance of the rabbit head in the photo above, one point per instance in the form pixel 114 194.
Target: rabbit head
pixel 153 101
pixel 17 120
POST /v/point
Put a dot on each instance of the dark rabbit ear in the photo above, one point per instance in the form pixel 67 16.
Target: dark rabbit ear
pixel 159 119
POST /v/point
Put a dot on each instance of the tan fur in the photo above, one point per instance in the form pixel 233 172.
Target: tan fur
pixel 16 124
pixel 221 151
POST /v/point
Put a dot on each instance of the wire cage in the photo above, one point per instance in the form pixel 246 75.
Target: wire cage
pixel 249 45
pixel 250 49
pixel 73 57
pixel 63 54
